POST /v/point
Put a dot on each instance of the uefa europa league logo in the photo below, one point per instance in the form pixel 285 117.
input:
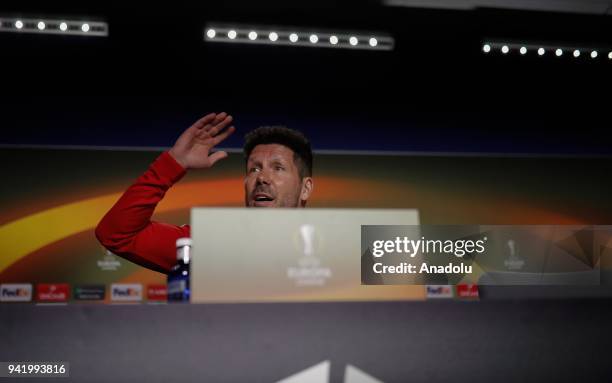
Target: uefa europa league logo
pixel 307 233
pixel 513 262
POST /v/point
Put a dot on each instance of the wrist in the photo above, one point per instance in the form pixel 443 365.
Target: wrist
pixel 177 158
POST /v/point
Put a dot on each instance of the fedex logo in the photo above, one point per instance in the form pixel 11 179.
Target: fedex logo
pixel 123 292
pixel 16 292
pixel 439 291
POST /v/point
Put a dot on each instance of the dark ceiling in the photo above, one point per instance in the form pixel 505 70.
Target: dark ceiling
pixel 156 51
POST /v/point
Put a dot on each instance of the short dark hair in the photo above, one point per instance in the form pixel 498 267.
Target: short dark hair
pixel 293 139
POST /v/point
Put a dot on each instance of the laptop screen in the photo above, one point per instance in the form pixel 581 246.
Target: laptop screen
pixel 271 255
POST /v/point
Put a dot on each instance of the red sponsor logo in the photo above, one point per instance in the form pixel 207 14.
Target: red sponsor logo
pixel 157 293
pixel 52 292
pixel 467 291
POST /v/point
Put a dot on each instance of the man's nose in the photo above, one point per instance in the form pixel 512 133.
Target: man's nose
pixel 262 177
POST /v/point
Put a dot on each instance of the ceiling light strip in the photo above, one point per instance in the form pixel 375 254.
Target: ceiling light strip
pixel 53 26
pixel 297 37
pixel 506 48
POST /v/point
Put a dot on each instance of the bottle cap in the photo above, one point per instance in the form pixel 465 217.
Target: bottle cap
pixel 185 241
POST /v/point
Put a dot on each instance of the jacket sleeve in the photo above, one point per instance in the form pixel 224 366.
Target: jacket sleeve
pixel 127 229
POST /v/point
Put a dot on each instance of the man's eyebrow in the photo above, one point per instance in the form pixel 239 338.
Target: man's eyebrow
pixel 274 159
pixel 251 163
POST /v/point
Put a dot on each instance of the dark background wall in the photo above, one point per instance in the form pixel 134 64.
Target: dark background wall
pixel 436 92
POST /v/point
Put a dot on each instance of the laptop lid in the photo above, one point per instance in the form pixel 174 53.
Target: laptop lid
pixel 276 255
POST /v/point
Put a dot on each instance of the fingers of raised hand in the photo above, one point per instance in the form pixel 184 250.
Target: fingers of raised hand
pixel 214 121
pixel 202 122
pixel 220 126
pixel 223 135
pixel 210 126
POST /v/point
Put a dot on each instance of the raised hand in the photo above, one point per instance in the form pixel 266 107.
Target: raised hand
pixel 192 149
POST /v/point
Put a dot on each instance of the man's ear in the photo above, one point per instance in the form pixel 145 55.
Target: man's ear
pixel 307 186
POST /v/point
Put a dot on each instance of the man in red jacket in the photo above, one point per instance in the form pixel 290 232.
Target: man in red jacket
pixel 278 174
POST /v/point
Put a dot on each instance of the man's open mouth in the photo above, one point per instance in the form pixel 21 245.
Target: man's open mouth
pixel 263 199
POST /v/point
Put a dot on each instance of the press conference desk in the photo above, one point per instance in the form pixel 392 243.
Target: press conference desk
pixel 441 341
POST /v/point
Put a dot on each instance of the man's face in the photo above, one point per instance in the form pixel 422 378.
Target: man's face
pixel 273 179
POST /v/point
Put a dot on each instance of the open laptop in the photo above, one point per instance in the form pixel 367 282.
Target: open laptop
pixel 287 255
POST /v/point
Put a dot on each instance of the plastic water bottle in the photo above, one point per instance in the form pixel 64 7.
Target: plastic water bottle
pixel 178 278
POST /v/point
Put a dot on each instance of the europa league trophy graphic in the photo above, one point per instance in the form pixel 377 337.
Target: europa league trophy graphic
pixel 307 233
pixel 512 248
pixel 513 262
pixel 309 272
